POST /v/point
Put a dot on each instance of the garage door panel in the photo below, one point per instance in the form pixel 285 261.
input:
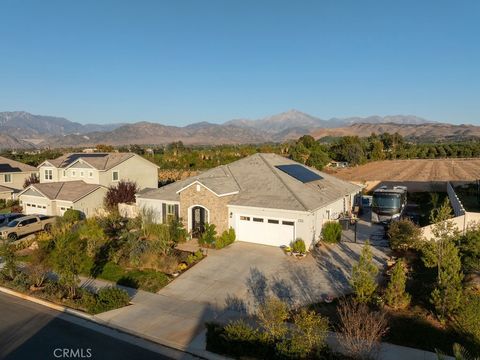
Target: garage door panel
pixel 267 231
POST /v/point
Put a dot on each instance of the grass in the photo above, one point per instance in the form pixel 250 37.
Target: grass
pixel 5 211
pixel 148 280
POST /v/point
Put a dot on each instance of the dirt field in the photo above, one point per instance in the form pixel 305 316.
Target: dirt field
pixel 413 170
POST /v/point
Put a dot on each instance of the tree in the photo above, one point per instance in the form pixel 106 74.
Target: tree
pixel 404 235
pixel 364 274
pixel 38 268
pixel 124 192
pixel 468 316
pixel 32 179
pixel 9 258
pixel 67 259
pixel 395 296
pixel 104 148
pixel 361 329
pixel 442 253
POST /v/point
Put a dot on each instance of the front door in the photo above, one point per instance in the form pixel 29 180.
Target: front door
pixel 199 219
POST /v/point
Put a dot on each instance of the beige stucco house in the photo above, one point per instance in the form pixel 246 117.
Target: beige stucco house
pixel 266 198
pixel 57 197
pixel 80 181
pixel 104 169
pixel 12 177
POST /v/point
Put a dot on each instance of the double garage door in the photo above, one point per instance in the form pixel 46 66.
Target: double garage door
pixel 35 209
pixel 264 230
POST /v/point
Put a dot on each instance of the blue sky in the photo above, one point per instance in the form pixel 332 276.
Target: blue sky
pixel 183 61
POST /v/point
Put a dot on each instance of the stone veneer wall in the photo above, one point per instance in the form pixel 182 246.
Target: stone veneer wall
pixel 216 206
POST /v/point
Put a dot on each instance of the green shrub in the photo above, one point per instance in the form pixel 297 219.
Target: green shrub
pixel 194 258
pixel 72 216
pixel 468 317
pixel 395 296
pixel 364 274
pixel 332 232
pixel 298 246
pixel 239 330
pixel 148 280
pixel 107 298
pixel 209 235
pixel 404 235
pixel 21 281
pixel 3 203
pixel 228 237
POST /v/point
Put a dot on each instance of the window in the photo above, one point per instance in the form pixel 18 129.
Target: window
pixel 258 219
pixel 245 218
pixel 7 178
pixel 271 221
pixel 81 173
pixel 90 174
pixel 74 173
pixel 115 176
pixel 48 175
pixel 64 173
pixel 170 211
pixel 289 223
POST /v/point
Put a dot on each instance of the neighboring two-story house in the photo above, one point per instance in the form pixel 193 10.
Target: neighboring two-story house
pixel 81 180
pixel 12 177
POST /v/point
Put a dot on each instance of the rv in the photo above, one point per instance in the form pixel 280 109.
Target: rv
pixel 388 204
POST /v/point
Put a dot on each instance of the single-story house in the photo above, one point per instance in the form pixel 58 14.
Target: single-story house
pixel 57 197
pixel 265 198
pixel 12 177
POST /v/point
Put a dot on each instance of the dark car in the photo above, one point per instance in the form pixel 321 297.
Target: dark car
pixel 6 218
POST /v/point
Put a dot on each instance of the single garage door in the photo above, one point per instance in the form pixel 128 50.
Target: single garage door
pixel 35 209
pixel 264 230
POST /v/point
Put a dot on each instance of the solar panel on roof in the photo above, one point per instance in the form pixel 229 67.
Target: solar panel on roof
pixel 9 168
pixel 299 172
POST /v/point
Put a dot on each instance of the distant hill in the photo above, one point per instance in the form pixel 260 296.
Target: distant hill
pixel 21 129
pixel 23 125
pixel 152 133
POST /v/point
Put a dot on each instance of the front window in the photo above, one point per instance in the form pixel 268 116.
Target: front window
pixel 170 212
pixel 7 178
pixel 386 201
pixel 48 174
pixel 115 176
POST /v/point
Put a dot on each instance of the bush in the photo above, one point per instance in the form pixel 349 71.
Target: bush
pixel 3 203
pixel 361 329
pixel 332 232
pixel 272 316
pixel 298 246
pixel 32 179
pixel 148 280
pixel 107 298
pixel 209 235
pixel 72 216
pixel 468 317
pixel 227 238
pixel 92 232
pixel 194 258
pixel 404 235
pixel 21 281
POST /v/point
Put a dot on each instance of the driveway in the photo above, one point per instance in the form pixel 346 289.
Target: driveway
pixel 233 281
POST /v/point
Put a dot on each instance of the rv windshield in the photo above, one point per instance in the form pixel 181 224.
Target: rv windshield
pixel 386 201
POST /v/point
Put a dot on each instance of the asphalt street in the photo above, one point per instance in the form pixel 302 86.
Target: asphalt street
pixel 31 331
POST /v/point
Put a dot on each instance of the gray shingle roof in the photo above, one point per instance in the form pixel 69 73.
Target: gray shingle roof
pixel 67 190
pixel 260 184
pixel 12 166
pixel 100 161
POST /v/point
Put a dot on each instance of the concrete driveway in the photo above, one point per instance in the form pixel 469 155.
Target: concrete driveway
pixel 231 282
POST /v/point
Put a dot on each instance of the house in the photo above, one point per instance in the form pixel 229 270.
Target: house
pixel 104 169
pixel 80 181
pixel 57 197
pixel 12 177
pixel 265 198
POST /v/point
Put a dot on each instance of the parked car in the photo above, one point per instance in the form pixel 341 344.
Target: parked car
pixel 26 225
pixel 6 218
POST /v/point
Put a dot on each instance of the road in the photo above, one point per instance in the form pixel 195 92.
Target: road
pixel 31 331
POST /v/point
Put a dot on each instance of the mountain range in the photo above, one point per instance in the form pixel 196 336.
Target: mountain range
pixel 20 129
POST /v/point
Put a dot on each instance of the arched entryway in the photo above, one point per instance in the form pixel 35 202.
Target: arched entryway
pixel 199 216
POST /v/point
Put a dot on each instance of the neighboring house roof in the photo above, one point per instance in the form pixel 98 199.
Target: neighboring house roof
pixel 4 189
pixel 12 166
pixel 99 161
pixel 66 191
pixel 258 182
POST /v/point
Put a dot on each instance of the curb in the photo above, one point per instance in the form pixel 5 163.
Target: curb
pixel 92 318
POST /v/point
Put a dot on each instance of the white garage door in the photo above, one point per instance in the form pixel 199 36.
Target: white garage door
pixel 35 209
pixel 263 230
